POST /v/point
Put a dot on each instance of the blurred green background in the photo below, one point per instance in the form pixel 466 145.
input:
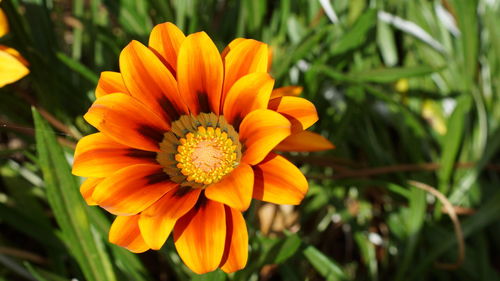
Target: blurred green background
pixel 408 90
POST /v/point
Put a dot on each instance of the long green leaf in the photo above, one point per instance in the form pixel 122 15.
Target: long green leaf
pixel 386 75
pixel 323 264
pixel 68 206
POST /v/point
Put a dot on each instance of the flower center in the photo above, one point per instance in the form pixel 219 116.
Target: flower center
pixel 199 150
pixel 206 156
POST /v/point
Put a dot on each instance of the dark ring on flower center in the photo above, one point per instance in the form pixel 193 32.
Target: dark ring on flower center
pixel 199 150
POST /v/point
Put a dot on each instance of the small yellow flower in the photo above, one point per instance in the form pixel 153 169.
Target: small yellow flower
pixel 12 65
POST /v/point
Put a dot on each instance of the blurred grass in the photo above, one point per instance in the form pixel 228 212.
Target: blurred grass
pixel 407 90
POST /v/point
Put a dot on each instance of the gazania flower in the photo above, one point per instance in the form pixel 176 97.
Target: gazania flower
pixel 187 139
pixel 12 64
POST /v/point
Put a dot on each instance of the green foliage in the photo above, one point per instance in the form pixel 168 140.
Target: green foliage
pixel 406 90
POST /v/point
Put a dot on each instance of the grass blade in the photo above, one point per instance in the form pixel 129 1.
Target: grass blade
pixel 68 206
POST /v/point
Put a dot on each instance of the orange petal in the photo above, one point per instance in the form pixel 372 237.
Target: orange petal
pixel 269 59
pixel 199 73
pixel 4 24
pixel 200 235
pixel 231 46
pixel 149 80
pixel 15 54
pixel 109 83
pixel 97 155
pixel 260 132
pixel 12 68
pixel 235 189
pixel 87 189
pixel 158 220
pixel 249 93
pixel 293 91
pixel 125 120
pixel 247 56
pixel 305 141
pixel 165 40
pixel 125 232
pixel 132 189
pixel 236 249
pixel 279 181
pixel 301 112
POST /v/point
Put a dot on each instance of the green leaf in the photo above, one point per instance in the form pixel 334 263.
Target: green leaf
pixel 387 75
pixel 452 140
pixel 323 264
pixel 367 250
pixel 217 275
pixel 68 206
pixel 468 24
pixel 42 275
pixel 357 35
pixel 78 67
pixel 283 249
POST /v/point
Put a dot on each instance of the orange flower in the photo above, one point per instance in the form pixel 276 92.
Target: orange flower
pixel 186 141
pixel 12 64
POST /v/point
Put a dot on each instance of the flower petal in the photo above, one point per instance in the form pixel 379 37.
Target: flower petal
pixel 87 189
pixel 279 181
pixel 158 220
pixel 235 189
pixel 97 155
pixel 200 235
pixel 109 83
pixel 231 46
pixel 249 93
pixel 4 23
pixel 149 80
pixel 11 67
pixel 305 141
pixel 166 39
pixel 301 112
pixel 293 91
pixel 247 56
pixel 119 115
pixel 125 232
pixel 200 73
pixel 132 189
pixel 236 249
pixel 260 132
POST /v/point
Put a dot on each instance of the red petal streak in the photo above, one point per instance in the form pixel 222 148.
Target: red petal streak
pixel 109 83
pixel 286 91
pixel 200 235
pixel 305 141
pixel 279 181
pixel 250 93
pixel 132 189
pixel 243 57
pixel 149 80
pixel 301 112
pixel 158 220
pixel 235 189
pixel 165 40
pixel 125 232
pixel 236 248
pixel 200 73
pixel 260 132
pixel 126 121
pixel 97 155
pixel 87 189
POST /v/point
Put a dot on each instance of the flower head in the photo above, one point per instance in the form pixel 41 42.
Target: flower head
pixel 12 64
pixel 187 139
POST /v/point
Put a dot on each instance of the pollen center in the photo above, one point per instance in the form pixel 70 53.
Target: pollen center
pixel 206 155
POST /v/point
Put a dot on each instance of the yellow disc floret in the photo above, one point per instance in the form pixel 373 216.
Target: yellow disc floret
pixel 206 156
